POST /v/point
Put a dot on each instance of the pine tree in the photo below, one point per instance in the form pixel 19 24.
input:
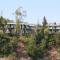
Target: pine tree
pixel 45 27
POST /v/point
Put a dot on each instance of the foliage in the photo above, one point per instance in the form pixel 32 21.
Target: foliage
pixel 43 33
pixel 57 39
pixel 41 39
pixel 3 23
pixel 37 46
pixel 29 45
pixel 45 41
pixel 44 21
pixel 39 36
pixel 51 42
pixel 7 44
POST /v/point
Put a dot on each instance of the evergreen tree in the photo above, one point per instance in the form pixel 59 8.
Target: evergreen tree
pixel 44 21
pixel 43 33
pixel 45 28
pixel 41 39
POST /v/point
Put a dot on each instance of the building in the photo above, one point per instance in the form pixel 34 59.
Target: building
pixel 24 28
pixel 53 27
pixel 31 28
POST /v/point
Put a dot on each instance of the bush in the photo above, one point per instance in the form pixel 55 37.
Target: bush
pixel 7 44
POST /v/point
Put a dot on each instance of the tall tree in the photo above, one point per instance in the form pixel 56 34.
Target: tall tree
pixel 44 21
pixel 45 27
pixel 19 15
pixel 43 33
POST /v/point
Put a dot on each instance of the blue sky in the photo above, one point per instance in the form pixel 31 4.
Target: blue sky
pixel 36 10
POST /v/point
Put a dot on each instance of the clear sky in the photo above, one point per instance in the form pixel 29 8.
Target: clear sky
pixel 36 9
